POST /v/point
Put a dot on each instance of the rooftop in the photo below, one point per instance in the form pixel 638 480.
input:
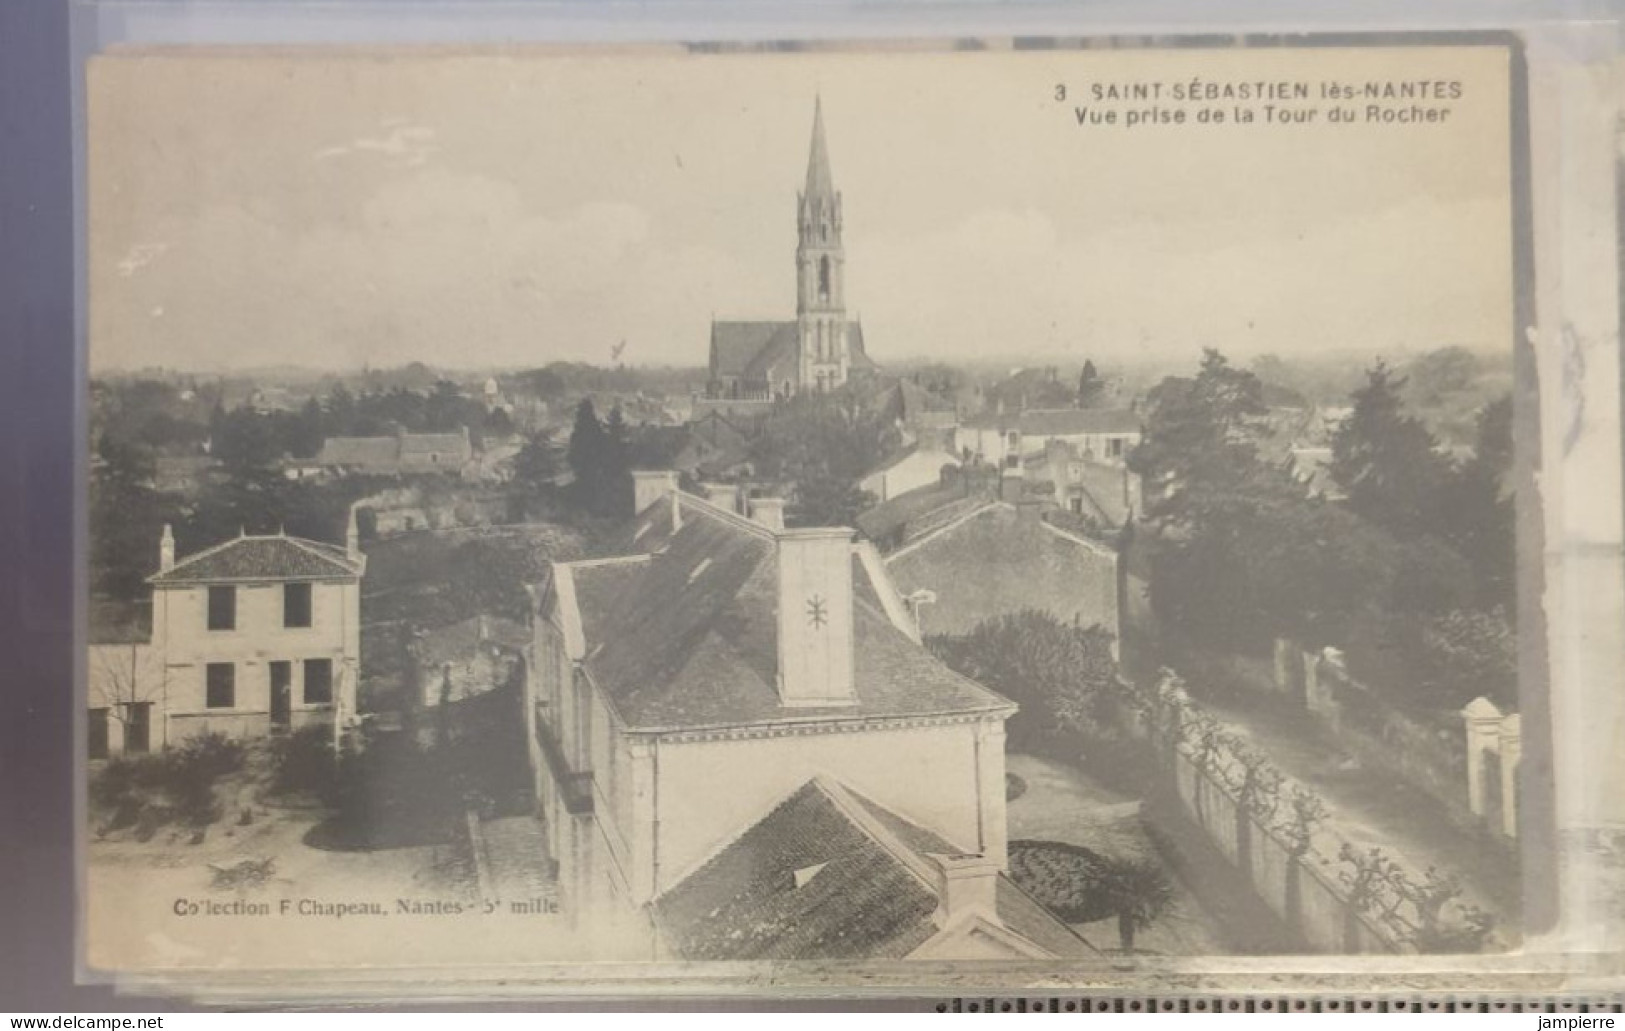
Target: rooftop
pixel 829 874
pixel 684 636
pixel 271 557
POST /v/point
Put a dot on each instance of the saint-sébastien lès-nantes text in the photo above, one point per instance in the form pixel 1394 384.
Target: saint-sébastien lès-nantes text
pixel 1134 103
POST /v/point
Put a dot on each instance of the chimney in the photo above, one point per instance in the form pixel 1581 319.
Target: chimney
pixel 768 511
pixel 722 495
pixel 166 550
pixel 650 485
pixel 352 536
pixel 966 885
pixel 815 616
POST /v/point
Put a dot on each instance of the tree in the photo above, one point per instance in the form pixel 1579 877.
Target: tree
pixel 1387 463
pixel 1059 674
pixel 1139 892
pixel 1091 387
pixel 1201 436
pixel 1479 509
pixel 822 445
pixel 599 456
pixel 823 499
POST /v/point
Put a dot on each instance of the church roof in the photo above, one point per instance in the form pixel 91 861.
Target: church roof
pixel 820 183
pixel 738 348
pixel 263 558
pixel 830 874
pixel 750 350
pixel 687 638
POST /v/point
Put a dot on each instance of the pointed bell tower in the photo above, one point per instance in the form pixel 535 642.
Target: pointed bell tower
pixel 820 272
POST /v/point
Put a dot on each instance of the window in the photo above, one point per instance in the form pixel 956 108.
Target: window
pixel 222 608
pixel 318 681
pixel 296 605
pixel 220 681
pixel 98 734
pixel 823 279
pixel 137 727
pixel 1114 447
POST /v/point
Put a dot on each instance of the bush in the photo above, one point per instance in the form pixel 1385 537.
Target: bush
pixel 303 763
pixel 1068 880
pixel 148 791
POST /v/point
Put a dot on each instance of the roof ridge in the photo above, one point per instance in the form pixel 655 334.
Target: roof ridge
pixel 853 808
pixel 197 555
pixel 313 547
pixel 933 534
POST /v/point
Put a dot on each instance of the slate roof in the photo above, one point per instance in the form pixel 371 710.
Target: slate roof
pixel 688 639
pixel 872 895
pixel 917 511
pixel 1000 561
pixel 427 443
pixel 1071 422
pixel 359 451
pixel 276 557
pixel 457 642
pixel 1061 422
pixel 749 350
pixel 746 349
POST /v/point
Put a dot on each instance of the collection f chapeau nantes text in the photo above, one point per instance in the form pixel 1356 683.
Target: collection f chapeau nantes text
pixel 1207 102
pixel 333 910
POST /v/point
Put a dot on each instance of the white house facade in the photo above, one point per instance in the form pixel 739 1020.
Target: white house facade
pixel 254 635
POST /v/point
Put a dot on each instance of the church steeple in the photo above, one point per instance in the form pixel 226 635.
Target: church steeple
pixel 819 181
pixel 820 270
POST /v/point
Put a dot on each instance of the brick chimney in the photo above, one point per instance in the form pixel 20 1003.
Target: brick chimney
pixel 966 885
pixel 815 616
pixel 768 511
pixel 166 550
pixel 650 486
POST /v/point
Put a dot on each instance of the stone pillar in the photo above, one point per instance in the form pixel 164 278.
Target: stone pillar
pixel 1511 746
pixel 1483 722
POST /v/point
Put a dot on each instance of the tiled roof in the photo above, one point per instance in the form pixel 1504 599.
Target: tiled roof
pixel 744 904
pixel 263 558
pixel 1069 422
pixel 688 639
pixel 867 888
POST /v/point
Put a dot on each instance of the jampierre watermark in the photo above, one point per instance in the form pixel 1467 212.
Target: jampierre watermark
pixel 1573 1023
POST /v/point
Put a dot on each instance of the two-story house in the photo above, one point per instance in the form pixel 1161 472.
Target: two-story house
pixel 1103 435
pixel 742 751
pixel 257 633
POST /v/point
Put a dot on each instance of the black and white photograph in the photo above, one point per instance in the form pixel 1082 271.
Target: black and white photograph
pixel 1050 503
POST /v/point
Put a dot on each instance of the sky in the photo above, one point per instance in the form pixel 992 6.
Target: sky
pixel 511 208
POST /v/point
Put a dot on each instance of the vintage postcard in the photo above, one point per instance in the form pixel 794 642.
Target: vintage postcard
pixel 1063 507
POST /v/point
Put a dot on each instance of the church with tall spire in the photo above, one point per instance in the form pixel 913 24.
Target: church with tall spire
pixel 822 349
